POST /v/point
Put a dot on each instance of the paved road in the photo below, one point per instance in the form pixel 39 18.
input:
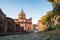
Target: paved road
pixel 31 36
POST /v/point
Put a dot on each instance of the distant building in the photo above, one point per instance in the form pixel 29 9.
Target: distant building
pixel 35 28
pixel 41 26
pixel 23 22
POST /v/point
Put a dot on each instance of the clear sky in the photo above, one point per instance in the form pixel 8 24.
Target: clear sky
pixel 32 8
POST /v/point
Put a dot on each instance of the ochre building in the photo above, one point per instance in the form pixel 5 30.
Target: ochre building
pixel 40 25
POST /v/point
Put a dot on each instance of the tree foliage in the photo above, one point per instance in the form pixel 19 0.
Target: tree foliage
pixel 53 1
pixel 51 14
pixel 43 19
pixel 47 17
pixel 49 28
pixel 57 27
pixel 50 1
pixel 56 9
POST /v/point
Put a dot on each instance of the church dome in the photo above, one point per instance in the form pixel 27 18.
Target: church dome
pixel 21 15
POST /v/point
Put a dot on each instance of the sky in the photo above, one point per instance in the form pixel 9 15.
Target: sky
pixel 32 8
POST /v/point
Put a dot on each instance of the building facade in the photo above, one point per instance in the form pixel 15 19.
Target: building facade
pixel 41 26
pixel 26 24
pixel 3 23
pixel 9 25
pixel 35 27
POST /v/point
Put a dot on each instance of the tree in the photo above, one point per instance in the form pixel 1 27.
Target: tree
pixel 47 17
pixel 56 9
pixel 51 1
pixel 51 14
pixel 54 2
pixel 49 28
pixel 43 19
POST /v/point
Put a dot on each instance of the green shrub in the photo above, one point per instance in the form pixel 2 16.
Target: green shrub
pixel 49 28
pixel 57 27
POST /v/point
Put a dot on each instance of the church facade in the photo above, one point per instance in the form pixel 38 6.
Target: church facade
pixel 23 22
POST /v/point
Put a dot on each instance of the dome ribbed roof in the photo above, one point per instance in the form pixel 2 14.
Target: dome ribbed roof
pixel 21 14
